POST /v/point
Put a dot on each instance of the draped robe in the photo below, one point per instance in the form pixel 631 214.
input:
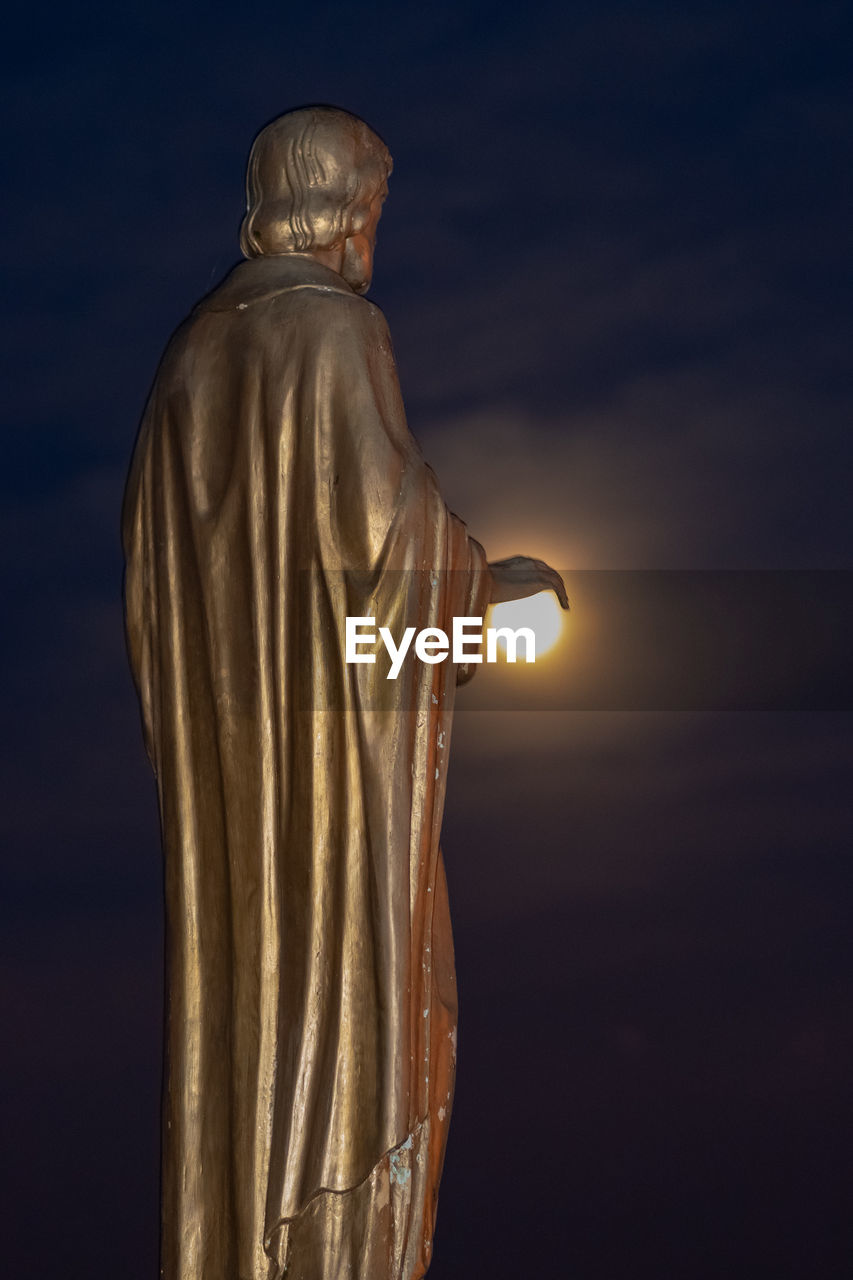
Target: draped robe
pixel 311 1011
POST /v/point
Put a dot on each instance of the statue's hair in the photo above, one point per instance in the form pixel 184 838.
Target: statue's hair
pixel 311 177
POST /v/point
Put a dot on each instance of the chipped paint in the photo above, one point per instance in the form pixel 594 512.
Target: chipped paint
pixel 398 1173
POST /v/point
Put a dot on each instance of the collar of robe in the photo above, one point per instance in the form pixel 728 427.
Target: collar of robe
pixel 258 279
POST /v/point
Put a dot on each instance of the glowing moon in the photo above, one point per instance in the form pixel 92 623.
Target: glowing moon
pixel 541 613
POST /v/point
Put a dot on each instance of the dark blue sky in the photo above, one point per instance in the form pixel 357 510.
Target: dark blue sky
pixel 615 263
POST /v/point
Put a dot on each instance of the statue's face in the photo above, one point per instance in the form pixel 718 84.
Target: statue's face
pixel 357 267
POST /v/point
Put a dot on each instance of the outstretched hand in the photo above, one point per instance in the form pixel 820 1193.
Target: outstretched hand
pixel 522 576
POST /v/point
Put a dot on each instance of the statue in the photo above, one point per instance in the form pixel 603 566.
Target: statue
pixel 275 489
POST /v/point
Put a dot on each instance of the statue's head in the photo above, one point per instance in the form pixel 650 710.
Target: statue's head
pixel 316 181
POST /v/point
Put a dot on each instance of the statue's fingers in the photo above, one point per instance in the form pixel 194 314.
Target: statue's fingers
pixel 558 587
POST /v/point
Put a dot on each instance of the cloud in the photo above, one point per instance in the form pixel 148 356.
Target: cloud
pixel 671 471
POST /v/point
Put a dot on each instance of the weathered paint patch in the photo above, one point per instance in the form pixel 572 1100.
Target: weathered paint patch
pixel 398 1172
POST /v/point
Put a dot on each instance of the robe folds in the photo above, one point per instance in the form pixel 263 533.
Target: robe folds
pixel 311 1011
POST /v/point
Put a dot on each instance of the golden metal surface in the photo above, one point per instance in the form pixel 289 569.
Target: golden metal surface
pixel 311 1016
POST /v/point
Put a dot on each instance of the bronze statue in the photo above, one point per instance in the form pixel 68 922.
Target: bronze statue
pixel 275 489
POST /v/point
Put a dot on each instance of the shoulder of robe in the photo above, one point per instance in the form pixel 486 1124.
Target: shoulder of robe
pixel 259 302
pixel 289 279
pixel 332 314
pixel 336 320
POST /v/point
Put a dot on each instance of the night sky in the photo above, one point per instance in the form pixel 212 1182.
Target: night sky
pixel 615 265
